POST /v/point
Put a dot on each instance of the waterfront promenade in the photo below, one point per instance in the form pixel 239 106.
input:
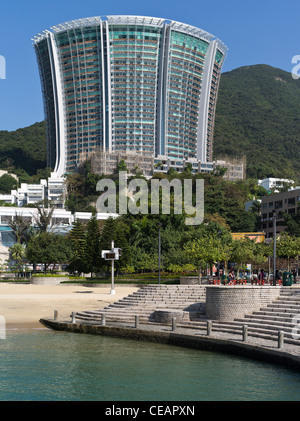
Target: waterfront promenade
pixel 32 307
pixel 144 316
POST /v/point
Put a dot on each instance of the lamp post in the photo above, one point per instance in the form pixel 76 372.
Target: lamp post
pixel 113 254
pixel 274 249
pixel 159 250
pixel 112 291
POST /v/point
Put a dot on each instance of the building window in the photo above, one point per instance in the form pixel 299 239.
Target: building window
pixel 291 201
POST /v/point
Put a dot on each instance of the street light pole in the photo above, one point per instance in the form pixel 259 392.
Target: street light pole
pixel 112 291
pixel 159 252
pixel 274 250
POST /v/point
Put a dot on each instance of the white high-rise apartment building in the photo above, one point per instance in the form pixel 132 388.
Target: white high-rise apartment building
pixel 130 84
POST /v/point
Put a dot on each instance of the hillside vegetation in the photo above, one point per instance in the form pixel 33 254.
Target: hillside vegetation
pixel 258 115
pixel 24 148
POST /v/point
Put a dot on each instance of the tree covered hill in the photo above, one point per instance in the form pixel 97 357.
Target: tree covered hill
pixel 24 148
pixel 258 115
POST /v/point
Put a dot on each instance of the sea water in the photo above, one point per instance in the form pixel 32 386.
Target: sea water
pixel 44 365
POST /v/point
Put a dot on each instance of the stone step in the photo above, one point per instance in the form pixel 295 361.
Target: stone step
pixel 151 302
pixel 265 318
pixel 166 297
pixel 163 298
pixel 272 310
pixel 236 328
pixel 289 297
pixel 276 304
pixel 276 324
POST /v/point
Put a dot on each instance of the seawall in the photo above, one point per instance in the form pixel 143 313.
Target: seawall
pixel 184 338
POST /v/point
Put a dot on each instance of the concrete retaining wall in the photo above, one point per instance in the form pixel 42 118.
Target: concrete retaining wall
pixel 189 280
pixel 48 280
pixel 229 303
pixel 276 356
pixel 166 316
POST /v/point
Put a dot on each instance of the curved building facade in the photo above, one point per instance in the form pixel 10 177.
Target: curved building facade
pixel 128 84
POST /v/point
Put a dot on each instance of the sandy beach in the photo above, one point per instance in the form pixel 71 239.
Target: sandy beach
pixel 23 306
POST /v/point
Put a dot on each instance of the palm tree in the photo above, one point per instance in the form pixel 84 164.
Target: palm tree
pixel 44 219
pixel 17 253
pixel 21 229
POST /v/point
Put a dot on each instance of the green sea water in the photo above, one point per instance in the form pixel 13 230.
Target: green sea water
pixel 43 365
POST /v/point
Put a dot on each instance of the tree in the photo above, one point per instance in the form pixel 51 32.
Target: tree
pixel 8 183
pixel 292 223
pixel 21 228
pixel 121 166
pixel 92 248
pixel 287 247
pixel 242 252
pixel 108 233
pixel 144 262
pixel 118 231
pixel 75 185
pixel 17 254
pixel 220 171
pixel 196 251
pixel 77 241
pixel 261 253
pixel 207 249
pixel 188 167
pixel 44 218
pixel 49 249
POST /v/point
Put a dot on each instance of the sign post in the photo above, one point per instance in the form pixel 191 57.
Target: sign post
pixel 113 254
pixel 112 291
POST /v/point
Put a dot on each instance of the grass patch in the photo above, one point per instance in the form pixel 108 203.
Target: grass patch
pixel 43 275
pixel 119 282
pixel 15 281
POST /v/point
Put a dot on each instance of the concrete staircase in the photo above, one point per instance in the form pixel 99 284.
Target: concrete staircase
pixel 188 298
pixel 264 323
pixel 268 321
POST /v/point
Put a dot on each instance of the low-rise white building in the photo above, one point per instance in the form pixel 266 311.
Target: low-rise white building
pixel 29 194
pixel 275 183
pixel 56 191
pixel 52 189
pixel 61 222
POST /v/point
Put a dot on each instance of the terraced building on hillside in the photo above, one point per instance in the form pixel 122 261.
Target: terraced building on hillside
pixel 128 84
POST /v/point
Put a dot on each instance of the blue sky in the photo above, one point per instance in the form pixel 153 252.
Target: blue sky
pixel 256 32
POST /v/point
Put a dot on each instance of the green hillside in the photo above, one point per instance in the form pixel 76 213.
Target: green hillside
pixel 24 148
pixel 258 114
